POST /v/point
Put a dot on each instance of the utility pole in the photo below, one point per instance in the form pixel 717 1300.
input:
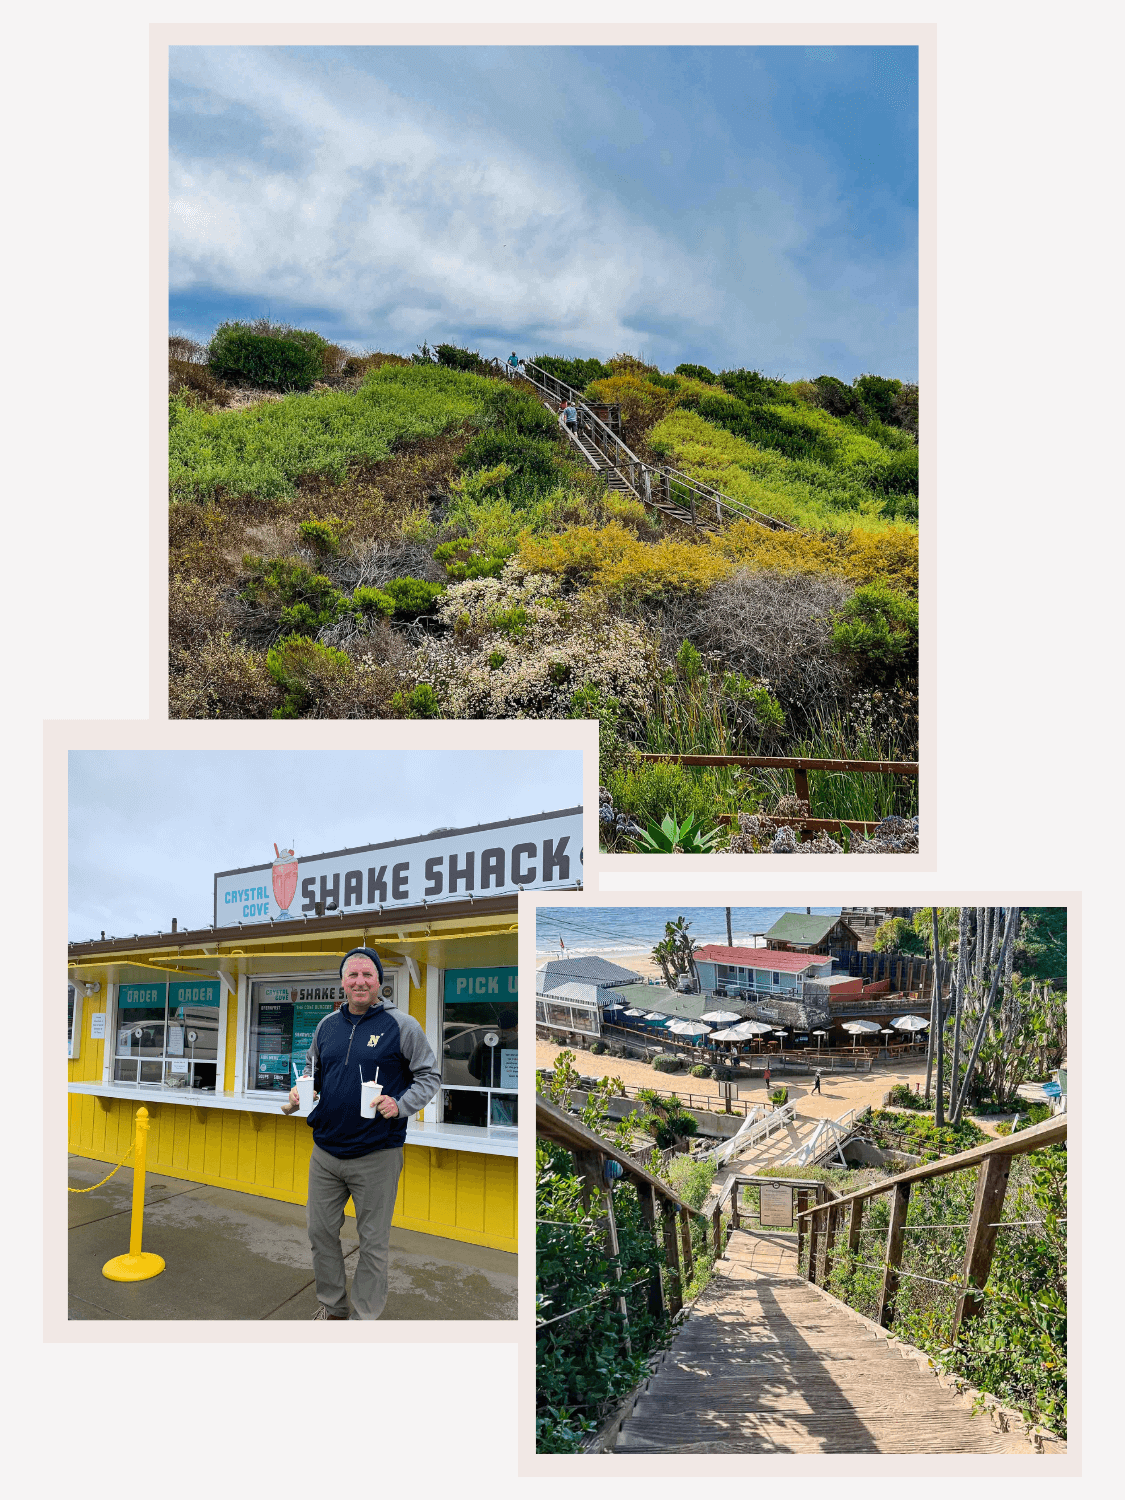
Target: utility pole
pixel 730 939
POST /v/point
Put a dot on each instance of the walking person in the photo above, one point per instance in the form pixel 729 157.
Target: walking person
pixel 570 412
pixel 354 1156
pixel 816 1084
pixel 513 364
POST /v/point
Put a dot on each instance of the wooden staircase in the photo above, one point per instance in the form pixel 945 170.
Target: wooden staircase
pixel 766 1362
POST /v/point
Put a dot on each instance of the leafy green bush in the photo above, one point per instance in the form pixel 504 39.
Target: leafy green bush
pixel 878 629
pixel 373 602
pixel 311 600
pixel 307 672
pixel 690 1178
pixel 533 463
pixel 667 1064
pixel 420 703
pixel 454 357
pixel 573 372
pixel 902 1096
pixel 779 1096
pixel 412 596
pixel 700 1070
pixel 698 372
pixel 754 388
pixel 597 1048
pixel 321 536
pixel 288 361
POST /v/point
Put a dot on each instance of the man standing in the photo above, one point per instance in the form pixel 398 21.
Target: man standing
pixel 353 1156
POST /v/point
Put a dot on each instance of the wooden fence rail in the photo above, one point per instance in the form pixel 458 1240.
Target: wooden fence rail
pixel 993 1161
pixel 800 766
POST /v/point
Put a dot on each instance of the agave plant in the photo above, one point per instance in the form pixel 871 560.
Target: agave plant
pixel 670 837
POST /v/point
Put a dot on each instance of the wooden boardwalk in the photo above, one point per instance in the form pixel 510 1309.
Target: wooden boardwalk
pixel 766 1363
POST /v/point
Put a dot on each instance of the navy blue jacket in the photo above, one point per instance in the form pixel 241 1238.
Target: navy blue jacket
pixel 348 1049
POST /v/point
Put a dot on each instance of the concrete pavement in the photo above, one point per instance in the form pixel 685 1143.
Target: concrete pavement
pixel 236 1256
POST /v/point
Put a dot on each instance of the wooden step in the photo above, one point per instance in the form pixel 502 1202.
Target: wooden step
pixel 769 1364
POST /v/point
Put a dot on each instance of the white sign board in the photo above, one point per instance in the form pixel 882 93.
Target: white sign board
pixel 539 853
pixel 509 1069
pixel 97 1026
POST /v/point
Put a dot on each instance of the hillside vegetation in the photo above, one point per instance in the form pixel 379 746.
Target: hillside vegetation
pixel 384 537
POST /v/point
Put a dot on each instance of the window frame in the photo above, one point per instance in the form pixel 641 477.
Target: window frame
pixel 74 1039
pixel 113 1056
pixel 439 1051
pixel 243 1083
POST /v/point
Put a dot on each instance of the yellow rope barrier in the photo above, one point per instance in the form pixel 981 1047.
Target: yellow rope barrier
pixel 104 1180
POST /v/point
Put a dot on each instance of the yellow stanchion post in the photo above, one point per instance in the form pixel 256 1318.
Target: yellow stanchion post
pixel 138 1265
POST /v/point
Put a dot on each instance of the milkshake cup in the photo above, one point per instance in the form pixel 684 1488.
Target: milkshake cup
pixel 304 1088
pixel 368 1098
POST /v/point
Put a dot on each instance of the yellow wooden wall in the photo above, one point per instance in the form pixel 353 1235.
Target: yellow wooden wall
pixel 458 1195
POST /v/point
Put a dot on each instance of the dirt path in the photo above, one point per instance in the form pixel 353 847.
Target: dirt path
pixel 839 1091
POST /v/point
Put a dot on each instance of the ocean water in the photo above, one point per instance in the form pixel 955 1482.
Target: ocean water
pixel 609 930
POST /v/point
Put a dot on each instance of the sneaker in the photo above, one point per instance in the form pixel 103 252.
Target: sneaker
pixel 322 1312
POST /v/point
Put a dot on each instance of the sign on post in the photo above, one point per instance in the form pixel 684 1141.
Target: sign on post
pixel 776 1208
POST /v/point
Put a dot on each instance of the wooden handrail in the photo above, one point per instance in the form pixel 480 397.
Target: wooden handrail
pixel 557 1125
pixel 1047 1133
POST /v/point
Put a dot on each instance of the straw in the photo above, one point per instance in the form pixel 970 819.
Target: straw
pixel 376 1078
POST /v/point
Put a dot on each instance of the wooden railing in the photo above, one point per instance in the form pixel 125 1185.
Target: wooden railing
pixel 800 766
pixel 993 1162
pixel 655 486
pixel 662 1210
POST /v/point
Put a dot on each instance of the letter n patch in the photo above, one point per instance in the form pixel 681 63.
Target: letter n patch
pixel 373 1041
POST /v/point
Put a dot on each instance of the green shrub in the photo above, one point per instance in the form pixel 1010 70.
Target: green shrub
pixel 496 660
pixel 411 596
pixel 307 672
pixel 597 1048
pixel 457 358
pixel 533 463
pixel 698 372
pixel 779 1096
pixel 754 388
pixel 288 361
pixel 690 1178
pixel 420 703
pixel 879 396
pixel 902 1096
pixel 573 372
pixel 321 536
pixel 511 622
pixel 666 1064
pixel 700 1070
pixel 311 601
pixel 373 602
pixel 878 628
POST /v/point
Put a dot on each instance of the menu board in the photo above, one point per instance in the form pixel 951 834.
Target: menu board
pixel 307 1016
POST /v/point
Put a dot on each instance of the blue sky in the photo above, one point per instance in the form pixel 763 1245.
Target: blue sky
pixel 727 206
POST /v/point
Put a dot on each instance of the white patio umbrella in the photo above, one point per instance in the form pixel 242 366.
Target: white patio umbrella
pixel 780 1032
pixel 657 1015
pixel 693 1028
pixel 718 1016
pixel 909 1023
pixel 634 1012
pixel 887 1031
pixel 858 1028
pixel 818 1035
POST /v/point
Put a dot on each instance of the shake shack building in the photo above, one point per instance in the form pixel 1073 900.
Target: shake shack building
pixel 208 1028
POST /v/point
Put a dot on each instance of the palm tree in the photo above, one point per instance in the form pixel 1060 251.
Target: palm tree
pixel 664 955
pixel 679 931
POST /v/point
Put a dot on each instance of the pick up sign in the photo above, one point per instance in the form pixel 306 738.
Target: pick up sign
pixel 492 859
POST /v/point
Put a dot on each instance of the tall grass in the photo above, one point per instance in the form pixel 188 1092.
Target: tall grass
pixel 854 795
pixel 267 449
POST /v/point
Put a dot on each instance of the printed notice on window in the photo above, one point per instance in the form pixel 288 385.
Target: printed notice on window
pixel 97 1026
pixel 508 1073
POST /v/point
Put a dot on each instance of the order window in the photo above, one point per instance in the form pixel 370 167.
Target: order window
pixel 168 1033
pixel 479 1046
pixel 284 1015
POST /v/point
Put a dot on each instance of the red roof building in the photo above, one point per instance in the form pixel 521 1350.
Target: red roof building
pixel 762 958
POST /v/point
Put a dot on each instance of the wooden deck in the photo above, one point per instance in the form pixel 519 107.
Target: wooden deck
pixel 767 1363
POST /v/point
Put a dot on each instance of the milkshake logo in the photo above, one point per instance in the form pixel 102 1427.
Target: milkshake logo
pixel 284 879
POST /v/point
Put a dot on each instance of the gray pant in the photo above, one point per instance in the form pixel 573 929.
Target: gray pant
pixel 371 1182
